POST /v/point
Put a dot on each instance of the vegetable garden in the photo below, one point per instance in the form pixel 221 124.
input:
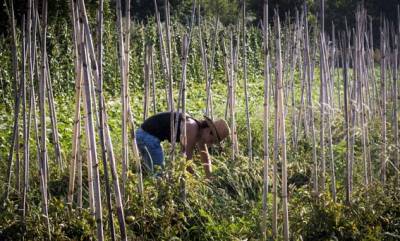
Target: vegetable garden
pixel 313 152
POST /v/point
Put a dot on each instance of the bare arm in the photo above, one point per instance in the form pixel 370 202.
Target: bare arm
pixel 205 159
pixel 192 131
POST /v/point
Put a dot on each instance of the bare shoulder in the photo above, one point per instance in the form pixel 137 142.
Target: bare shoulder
pixel 191 126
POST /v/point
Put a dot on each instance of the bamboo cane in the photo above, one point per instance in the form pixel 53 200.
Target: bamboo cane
pixel 184 60
pixel 249 137
pixel 395 104
pixel 295 53
pixel 322 114
pixel 24 121
pixel 78 81
pixel 204 62
pixel 348 174
pixel 79 165
pixel 33 68
pixel 162 53
pixel 153 80
pixel 17 94
pixel 265 122
pixel 125 90
pixel 185 49
pixel 92 143
pixel 209 106
pixel 232 94
pixel 280 116
pixel 42 99
pixel 89 158
pixel 322 98
pixel 147 74
pixel 308 67
pixel 101 119
pixel 169 63
pixel 53 116
pixel 383 93
pixel 124 93
pixel 114 175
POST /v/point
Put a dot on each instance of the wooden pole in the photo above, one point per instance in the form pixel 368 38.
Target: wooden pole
pixel 91 141
pixel 17 100
pixel 244 59
pixel 345 63
pixel 280 115
pixel 383 94
pixel 24 121
pixel 78 82
pixel 309 74
pixel 124 93
pixel 265 122
pixel 42 100
pixel 101 117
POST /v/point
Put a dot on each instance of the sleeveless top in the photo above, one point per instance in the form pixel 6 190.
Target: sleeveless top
pixel 159 125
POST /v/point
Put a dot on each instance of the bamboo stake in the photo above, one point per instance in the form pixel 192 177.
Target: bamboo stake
pixel 124 94
pixel 79 164
pixel 395 104
pixel 185 50
pixel 322 98
pixel 42 99
pixel 101 119
pixel 183 137
pixel 244 59
pixel 32 64
pixel 52 113
pixel 89 158
pixel 303 73
pixel 280 116
pixel 309 74
pixel 153 80
pixel 265 122
pixel 295 54
pixel 322 113
pixel 276 158
pixel 383 93
pixel 184 60
pixel 147 71
pixel 125 90
pixel 275 172
pixel 17 94
pixel 348 169
pixel 53 116
pixel 329 105
pixel 162 53
pixel 92 142
pixel 232 101
pixel 204 62
pixel 360 28
pixel 32 53
pixel 24 122
pixel 17 148
pixel 114 175
pixel 78 82
pixel 209 106
pixel 170 78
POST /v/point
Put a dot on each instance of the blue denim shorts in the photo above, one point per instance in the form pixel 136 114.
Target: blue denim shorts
pixel 150 150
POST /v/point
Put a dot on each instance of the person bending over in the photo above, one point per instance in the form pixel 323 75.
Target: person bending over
pixel 200 134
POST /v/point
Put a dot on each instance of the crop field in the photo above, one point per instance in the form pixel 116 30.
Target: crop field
pixel 313 151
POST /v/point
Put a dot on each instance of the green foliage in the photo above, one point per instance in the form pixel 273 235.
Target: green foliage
pixel 372 216
pixel 227 207
pixel 65 225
